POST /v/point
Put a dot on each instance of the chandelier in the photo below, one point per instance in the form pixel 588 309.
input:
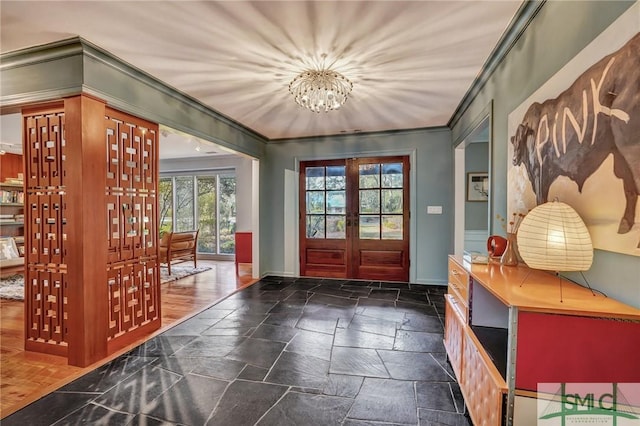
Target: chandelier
pixel 320 90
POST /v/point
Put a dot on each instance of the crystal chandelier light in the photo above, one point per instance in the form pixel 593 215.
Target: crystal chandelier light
pixel 320 90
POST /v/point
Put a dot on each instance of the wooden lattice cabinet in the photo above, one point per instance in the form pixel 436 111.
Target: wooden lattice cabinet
pixel 92 279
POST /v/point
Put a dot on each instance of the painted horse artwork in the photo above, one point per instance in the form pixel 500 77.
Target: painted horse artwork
pixel 574 133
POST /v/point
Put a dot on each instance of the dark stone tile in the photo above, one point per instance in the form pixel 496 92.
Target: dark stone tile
pixel 304 371
pixel 342 385
pixel 284 320
pixel 92 414
pixel 254 306
pixel 210 346
pixel 364 302
pixel 253 373
pixel 414 296
pixel 304 286
pixel 311 343
pixel 458 399
pixel 298 295
pixel 387 313
pixel 258 352
pixel 434 417
pixel 362 283
pixel 296 409
pixel 243 403
pixel 385 400
pixel 426 323
pixel 57 405
pixel 214 313
pixel 138 390
pixel 240 320
pixel 313 391
pixel 162 346
pixel 273 286
pixel 191 327
pixel 415 308
pixel 317 323
pixel 357 362
pixel 333 291
pixel 274 332
pixel 142 420
pixel 359 291
pixel 189 402
pixel 360 339
pixel 326 299
pixel 107 376
pixel 220 368
pixel 395 285
pixel 373 325
pixel 236 331
pixel 435 396
pixel 383 294
pixel 413 366
pixel 417 341
pixel 288 307
pixel 330 311
pixel 309 280
pixel 441 359
pixel 351 422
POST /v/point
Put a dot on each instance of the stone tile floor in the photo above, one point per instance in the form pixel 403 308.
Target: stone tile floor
pixel 285 351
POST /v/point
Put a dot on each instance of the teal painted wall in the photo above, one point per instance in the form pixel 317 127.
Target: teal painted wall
pixel 432 168
pixel 559 31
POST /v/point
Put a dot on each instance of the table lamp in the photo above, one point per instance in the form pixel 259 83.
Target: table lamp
pixel 553 237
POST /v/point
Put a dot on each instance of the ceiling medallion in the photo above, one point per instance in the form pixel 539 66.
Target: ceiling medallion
pixel 320 90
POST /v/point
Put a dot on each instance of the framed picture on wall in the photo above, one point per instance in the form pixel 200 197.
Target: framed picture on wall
pixel 477 186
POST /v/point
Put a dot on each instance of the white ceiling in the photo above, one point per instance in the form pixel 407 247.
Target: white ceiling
pixel 411 62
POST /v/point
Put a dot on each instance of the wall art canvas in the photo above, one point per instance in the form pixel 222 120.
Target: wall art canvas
pixel 577 139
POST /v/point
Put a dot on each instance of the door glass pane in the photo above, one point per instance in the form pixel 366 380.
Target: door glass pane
pixel 165 205
pixel 392 175
pixel 336 227
pixel 315 202
pixel 207 214
pixel 336 202
pixel 391 227
pixel 392 201
pixel 184 204
pixel 369 227
pixel 336 178
pixel 315 226
pixel 227 212
pixel 369 175
pixel 315 177
pixel 370 201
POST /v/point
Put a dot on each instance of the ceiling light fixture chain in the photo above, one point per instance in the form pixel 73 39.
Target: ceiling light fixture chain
pixel 320 89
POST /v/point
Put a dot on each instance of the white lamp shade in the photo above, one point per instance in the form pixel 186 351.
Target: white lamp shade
pixel 553 237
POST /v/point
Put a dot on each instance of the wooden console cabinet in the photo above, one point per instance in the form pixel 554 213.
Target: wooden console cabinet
pixel 508 329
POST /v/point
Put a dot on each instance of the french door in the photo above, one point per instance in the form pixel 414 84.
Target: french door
pixel 354 218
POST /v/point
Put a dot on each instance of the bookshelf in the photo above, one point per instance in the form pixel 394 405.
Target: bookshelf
pixel 12 212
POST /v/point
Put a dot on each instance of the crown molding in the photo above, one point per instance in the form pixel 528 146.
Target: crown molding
pixel 77 46
pixel 521 20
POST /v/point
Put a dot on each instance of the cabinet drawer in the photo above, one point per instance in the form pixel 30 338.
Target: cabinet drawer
pixel 459 280
pixel 453 335
pixel 482 386
pixel 459 303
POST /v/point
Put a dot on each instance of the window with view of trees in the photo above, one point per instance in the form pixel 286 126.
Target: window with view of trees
pixel 206 202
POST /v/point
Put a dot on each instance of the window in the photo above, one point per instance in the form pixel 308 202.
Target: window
pixel 206 202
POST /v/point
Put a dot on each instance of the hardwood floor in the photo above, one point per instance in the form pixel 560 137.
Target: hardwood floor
pixel 27 376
